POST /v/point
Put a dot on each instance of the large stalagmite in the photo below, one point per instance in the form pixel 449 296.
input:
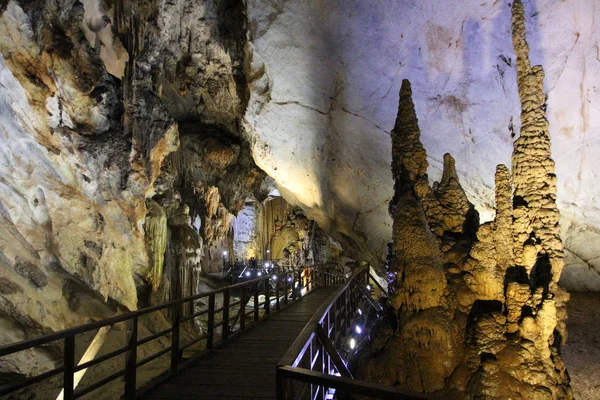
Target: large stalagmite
pixel 477 309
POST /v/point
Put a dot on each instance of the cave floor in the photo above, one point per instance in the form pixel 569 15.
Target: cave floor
pixel 582 351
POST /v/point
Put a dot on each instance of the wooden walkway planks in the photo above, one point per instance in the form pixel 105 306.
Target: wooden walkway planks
pixel 245 367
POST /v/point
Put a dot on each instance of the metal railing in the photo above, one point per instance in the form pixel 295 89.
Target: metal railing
pixel 315 367
pixel 278 290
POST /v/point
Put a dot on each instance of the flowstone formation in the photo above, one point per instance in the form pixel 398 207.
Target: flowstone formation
pixel 476 311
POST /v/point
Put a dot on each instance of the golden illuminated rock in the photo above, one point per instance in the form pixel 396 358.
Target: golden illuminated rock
pixel 479 315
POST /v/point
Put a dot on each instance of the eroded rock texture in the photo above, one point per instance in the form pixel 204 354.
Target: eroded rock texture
pixel 121 154
pixel 477 309
pixel 276 230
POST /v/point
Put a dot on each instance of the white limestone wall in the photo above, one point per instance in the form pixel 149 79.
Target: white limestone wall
pixel 325 82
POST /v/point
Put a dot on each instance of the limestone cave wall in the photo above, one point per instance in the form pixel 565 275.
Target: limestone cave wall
pixel 323 98
pixel 122 159
pixel 133 132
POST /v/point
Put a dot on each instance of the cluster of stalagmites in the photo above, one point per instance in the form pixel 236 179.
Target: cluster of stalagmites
pixel 476 310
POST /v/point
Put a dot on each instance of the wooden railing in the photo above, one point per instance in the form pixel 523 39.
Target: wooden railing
pixel 315 366
pixel 230 318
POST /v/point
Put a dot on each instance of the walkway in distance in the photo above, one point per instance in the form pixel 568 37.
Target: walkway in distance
pixel 245 367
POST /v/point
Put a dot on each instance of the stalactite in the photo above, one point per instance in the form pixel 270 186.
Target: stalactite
pixel 273 216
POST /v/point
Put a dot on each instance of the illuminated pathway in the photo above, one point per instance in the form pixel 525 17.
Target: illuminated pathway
pixel 244 368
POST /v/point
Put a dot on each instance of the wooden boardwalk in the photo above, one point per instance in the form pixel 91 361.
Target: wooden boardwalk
pixel 245 367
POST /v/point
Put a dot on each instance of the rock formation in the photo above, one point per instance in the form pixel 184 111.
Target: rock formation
pixel 275 230
pixel 324 80
pixel 479 311
pixel 123 162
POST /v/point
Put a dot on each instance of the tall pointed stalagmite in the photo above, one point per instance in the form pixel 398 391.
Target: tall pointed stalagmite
pixel 477 311
pixel 536 229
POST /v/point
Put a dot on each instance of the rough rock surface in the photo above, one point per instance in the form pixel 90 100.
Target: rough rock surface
pixel 479 315
pixel 324 81
pixel 98 103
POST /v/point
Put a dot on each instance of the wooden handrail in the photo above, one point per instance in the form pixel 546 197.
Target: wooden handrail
pixel 130 350
pixel 352 386
pixel 51 337
pixel 327 328
pixel 296 350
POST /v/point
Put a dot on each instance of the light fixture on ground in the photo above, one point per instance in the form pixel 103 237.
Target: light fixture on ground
pixel 352 343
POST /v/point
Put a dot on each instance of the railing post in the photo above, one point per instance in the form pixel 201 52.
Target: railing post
pixel 268 296
pixel 69 363
pixel 334 328
pixel 256 314
pixel 347 313
pixel 242 310
pixel 175 338
pixel 327 359
pixel 285 289
pixel 225 324
pixel 211 321
pixel 277 293
pixel 280 385
pixel 131 361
